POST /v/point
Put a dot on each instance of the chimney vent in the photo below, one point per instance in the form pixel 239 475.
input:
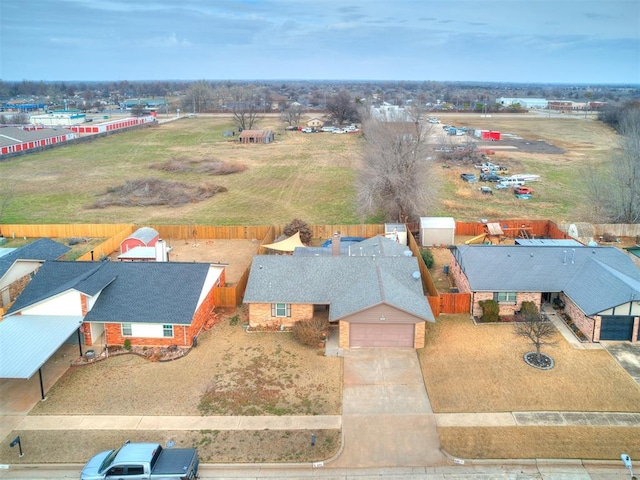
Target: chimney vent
pixel 335 244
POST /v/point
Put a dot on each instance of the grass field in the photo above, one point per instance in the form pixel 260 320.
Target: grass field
pixel 309 176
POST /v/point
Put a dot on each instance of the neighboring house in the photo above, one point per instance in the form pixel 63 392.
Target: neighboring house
pixel 600 286
pixel 142 237
pixel 315 123
pixel 19 266
pixel 256 136
pixel 374 293
pixel 147 303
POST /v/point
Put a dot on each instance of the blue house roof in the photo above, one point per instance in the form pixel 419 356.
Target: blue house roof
pixel 132 292
pixel 41 250
pixel 595 278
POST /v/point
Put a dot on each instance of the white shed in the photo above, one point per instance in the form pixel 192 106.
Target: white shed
pixel 435 231
pixel 396 232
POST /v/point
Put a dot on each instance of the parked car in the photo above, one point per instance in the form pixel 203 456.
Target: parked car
pixel 522 190
pixel 501 186
pixel 511 182
pixel 469 177
pixel 490 177
pixel 144 461
pixel 307 130
pixel 486 190
pixel 328 129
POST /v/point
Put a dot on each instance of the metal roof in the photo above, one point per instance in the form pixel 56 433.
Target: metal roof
pixel 144 234
pixel 27 342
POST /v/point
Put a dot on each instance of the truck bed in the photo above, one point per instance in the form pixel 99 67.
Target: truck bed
pixel 173 461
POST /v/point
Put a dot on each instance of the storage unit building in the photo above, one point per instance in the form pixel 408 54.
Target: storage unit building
pixel 436 231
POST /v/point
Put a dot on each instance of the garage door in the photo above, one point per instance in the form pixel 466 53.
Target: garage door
pixel 616 328
pixel 376 335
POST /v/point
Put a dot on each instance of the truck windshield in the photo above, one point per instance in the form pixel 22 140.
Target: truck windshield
pixel 109 459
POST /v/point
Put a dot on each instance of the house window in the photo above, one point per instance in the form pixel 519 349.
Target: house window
pixel 280 310
pixel 505 297
pixel 167 331
pixel 126 329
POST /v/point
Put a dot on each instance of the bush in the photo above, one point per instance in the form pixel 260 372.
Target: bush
pixel 528 309
pixel 298 225
pixel 490 310
pixel 311 331
pixel 127 344
pixel 427 258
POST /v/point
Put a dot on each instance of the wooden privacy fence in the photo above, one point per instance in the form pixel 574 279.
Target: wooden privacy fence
pixel 534 228
pixel 96 230
pixel 107 247
pixel 188 232
pixel 455 302
pixel 427 282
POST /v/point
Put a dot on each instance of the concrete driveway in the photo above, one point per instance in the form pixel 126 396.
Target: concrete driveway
pixel 386 415
pixel 627 355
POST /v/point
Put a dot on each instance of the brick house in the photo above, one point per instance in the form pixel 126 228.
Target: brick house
pixel 600 286
pixel 147 303
pixel 372 291
pixel 19 265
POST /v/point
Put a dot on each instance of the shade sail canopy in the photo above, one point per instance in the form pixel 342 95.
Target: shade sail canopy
pixel 288 244
pixel 28 341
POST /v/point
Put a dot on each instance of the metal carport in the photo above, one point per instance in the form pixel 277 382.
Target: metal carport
pixel 27 342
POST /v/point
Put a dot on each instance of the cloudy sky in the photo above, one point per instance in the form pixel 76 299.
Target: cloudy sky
pixel 558 41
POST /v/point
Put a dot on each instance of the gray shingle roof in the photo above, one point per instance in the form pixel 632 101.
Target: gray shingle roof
pixel 136 292
pixel 595 278
pixel 348 284
pixel 42 249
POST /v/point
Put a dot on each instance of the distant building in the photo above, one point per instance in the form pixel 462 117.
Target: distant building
pixel 523 102
pixel 256 136
pixel 58 118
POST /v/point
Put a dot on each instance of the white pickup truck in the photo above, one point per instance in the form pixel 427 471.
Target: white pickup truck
pixel 142 461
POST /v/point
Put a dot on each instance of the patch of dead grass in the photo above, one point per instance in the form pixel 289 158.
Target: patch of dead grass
pixel 471 368
pixel 580 442
pixel 214 446
pixel 199 166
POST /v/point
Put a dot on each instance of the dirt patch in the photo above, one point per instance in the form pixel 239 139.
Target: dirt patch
pixel 528 146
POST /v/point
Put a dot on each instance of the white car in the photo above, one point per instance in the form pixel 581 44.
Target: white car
pixel 338 130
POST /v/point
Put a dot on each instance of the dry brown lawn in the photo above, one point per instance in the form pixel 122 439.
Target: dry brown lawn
pixel 471 368
pixel 260 446
pixel 302 381
pixel 579 442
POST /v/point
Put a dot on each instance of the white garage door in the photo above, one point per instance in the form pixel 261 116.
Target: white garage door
pixel 376 335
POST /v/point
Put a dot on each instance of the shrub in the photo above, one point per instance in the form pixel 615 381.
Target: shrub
pixel 427 257
pixel 234 320
pixel 528 308
pixel 490 310
pixel 311 331
pixel 127 344
pixel 298 225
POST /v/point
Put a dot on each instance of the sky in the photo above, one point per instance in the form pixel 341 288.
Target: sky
pixel 523 41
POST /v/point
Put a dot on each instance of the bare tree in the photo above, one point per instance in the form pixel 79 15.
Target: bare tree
pixel 341 109
pixel 394 179
pixel 615 188
pixel 292 114
pixel 536 329
pixel 246 114
pixel 199 96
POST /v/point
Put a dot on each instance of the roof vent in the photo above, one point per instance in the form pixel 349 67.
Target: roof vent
pixel 407 253
pixel 416 275
pixel 531 254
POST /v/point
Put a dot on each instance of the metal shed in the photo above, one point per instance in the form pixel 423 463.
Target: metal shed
pixel 143 237
pixel 435 231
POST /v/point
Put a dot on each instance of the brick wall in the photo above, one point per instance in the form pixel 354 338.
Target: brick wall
pixel 16 288
pixel 200 318
pixel 260 315
pixel 590 326
pixel 505 308
pixel 418 335
pixel 343 341
pixel 181 337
